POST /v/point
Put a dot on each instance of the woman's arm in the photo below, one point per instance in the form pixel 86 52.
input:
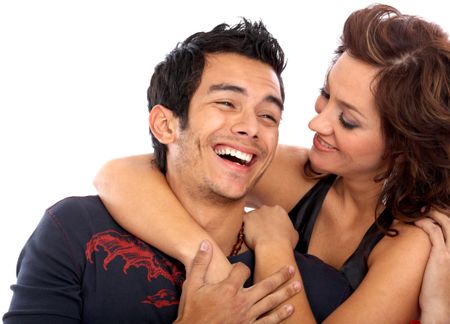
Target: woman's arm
pixel 283 183
pixel 139 198
pixel 137 195
pixel 270 233
pixel 390 291
pixel 435 292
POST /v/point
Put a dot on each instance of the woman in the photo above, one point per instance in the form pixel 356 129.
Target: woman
pixel 380 151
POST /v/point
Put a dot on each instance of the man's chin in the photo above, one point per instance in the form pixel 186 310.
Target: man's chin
pixel 229 196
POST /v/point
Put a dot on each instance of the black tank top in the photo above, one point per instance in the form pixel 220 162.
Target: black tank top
pixel 304 216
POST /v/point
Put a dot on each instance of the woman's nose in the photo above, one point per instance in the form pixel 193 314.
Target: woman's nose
pixel 322 123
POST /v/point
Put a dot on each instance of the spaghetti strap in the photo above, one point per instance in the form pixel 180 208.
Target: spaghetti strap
pixel 305 213
pixel 304 216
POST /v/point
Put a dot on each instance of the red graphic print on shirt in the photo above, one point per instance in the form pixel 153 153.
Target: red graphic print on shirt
pixel 137 254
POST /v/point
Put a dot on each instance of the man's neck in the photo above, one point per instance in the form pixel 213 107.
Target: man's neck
pixel 221 218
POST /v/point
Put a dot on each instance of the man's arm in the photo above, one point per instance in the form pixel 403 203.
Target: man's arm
pixel 227 301
pixel 48 285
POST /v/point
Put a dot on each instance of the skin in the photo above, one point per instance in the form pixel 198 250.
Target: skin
pixel 201 302
pixel 354 152
pixel 396 264
pixel 237 106
pixel 355 155
pixel 435 294
pixel 225 113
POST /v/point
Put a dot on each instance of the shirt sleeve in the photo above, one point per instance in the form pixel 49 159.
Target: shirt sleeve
pixel 48 288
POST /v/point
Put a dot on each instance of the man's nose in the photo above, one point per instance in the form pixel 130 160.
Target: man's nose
pixel 246 124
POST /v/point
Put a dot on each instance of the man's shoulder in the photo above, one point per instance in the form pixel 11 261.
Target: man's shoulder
pixel 77 203
pixel 86 219
pixel 78 216
pixel 80 208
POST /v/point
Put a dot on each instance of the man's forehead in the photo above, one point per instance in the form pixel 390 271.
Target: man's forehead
pixel 241 71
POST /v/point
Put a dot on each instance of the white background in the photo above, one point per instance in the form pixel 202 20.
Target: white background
pixel 73 80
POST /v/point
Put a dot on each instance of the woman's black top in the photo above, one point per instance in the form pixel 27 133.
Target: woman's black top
pixel 304 216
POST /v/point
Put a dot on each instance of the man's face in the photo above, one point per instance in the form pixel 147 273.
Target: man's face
pixel 232 130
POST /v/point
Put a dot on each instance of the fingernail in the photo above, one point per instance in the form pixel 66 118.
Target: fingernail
pixel 291 270
pixel 289 308
pixel 422 210
pixel 297 286
pixel 204 246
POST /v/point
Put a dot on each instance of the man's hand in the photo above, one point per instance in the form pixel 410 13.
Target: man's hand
pixel 435 294
pixel 227 301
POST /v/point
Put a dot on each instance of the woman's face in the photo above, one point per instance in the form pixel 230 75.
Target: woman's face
pixel 348 140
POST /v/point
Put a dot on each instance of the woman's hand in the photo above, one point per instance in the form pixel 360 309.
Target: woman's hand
pixel 435 293
pixel 269 224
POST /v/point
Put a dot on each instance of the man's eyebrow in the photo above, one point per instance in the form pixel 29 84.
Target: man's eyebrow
pixel 276 101
pixel 234 88
pixel 226 87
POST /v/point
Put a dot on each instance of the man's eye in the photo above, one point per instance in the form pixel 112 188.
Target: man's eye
pixel 270 118
pixel 225 103
pixel 324 93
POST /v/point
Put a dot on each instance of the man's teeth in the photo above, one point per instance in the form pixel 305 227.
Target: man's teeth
pixel 237 154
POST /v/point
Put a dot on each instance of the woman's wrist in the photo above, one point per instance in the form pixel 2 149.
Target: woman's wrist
pixel 269 246
pixel 270 243
pixel 271 256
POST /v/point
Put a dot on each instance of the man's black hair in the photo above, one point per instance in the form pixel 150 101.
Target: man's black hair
pixel 175 79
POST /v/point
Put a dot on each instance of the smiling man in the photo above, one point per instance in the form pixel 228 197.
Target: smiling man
pixel 230 136
pixel 215 103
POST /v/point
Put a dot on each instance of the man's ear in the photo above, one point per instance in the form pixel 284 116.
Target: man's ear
pixel 163 124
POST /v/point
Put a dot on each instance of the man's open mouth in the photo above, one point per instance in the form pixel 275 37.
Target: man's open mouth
pixel 234 155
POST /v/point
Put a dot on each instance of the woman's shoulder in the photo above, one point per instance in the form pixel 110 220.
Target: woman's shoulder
pixel 411 242
pixel 410 234
pixel 297 153
pixel 284 181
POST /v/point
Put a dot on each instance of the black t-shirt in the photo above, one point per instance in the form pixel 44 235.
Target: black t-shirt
pixel 80 266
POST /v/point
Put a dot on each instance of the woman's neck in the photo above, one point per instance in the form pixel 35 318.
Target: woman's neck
pixel 362 195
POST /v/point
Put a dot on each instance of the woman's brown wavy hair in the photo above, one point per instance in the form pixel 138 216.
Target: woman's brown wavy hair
pixel 411 93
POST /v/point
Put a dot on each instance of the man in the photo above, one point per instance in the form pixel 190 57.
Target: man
pixel 215 104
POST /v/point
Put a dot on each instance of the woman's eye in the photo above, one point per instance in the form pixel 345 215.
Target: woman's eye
pixel 346 124
pixel 324 93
